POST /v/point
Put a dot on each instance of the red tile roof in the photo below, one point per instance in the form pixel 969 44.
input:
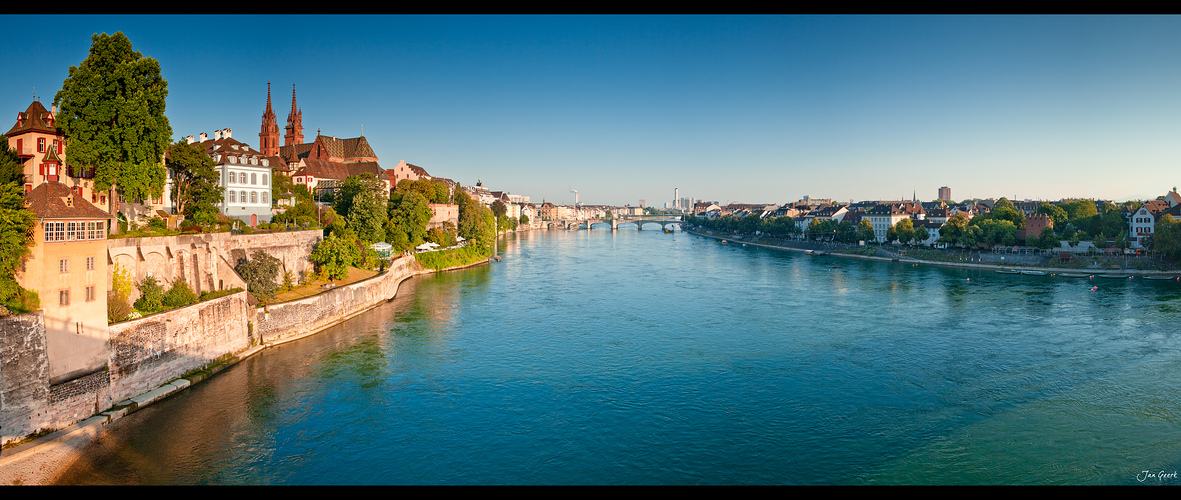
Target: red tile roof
pixel 49 201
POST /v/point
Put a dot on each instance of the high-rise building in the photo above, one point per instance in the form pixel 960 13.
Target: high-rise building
pixel 945 193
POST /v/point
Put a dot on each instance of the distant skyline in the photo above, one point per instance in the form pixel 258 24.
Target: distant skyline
pixel 753 109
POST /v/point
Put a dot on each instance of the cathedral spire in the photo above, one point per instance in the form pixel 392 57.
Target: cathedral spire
pixel 294 134
pixel 268 137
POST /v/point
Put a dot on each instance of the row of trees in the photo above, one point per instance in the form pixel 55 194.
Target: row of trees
pixel 364 213
pixel 786 227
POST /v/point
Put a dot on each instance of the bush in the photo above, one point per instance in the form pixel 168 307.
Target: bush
pixel 118 308
pixel 218 293
pixel 151 297
pixel 23 301
pixel 179 295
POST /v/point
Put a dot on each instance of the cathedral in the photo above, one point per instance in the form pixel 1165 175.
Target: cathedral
pixel 310 164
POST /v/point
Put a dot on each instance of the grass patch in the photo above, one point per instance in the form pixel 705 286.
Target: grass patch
pixel 313 287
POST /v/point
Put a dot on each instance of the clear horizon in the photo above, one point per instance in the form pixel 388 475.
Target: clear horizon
pixel 727 108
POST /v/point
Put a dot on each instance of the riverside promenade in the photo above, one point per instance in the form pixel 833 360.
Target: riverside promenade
pixel 40 461
pixel 886 255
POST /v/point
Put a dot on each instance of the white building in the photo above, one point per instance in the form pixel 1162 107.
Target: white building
pixel 245 177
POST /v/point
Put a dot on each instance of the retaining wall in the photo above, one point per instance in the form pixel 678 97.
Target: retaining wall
pixel 310 314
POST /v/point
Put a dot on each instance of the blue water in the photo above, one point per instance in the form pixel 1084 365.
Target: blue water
pixel 647 358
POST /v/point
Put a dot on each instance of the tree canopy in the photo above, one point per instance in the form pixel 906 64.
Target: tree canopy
pixel 362 202
pixel 111 108
pixel 11 169
pixel 195 184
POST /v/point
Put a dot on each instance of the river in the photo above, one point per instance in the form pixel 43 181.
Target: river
pixel 639 357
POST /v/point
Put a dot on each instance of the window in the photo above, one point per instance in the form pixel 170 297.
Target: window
pixel 55 231
pixel 242 195
pixel 254 197
pixel 253 179
pixel 71 231
pixel 63 266
pixel 63 297
pixel 90 292
pixel 233 178
pixel 41 145
pixel 264 197
pixel 90 263
pixel 264 179
pixel 232 200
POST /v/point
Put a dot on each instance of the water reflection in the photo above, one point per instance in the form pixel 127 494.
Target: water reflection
pixel 629 357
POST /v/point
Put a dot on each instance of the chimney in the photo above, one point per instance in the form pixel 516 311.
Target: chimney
pixel 204 137
pixel 225 134
pixel 216 135
pixel 190 139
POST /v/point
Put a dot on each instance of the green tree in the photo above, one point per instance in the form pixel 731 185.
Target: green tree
pixel 408 221
pixel 954 230
pixel 334 255
pixel 476 222
pixel 16 237
pixel 865 231
pixel 1056 213
pixel 259 273
pixel 921 234
pixel 111 108
pixel 362 201
pixel 904 230
pixel 11 170
pixel 846 232
pixel 1166 237
pixel 1100 241
pixel 195 182
pixel 498 208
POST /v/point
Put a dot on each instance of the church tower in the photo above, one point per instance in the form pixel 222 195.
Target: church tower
pixel 294 134
pixel 268 137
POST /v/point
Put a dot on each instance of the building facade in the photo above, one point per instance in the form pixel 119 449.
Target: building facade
pixel 67 267
pixel 245 177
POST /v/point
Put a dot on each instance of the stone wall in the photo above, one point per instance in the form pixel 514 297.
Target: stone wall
pixel 302 316
pixel 206 261
pixel 156 349
pixel 291 248
pixel 24 376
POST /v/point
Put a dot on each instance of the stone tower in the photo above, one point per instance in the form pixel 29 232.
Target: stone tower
pixel 268 137
pixel 294 134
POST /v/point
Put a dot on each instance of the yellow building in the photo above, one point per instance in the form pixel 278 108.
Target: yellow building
pixel 67 267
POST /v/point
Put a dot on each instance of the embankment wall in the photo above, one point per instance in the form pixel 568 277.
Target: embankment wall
pixel 300 317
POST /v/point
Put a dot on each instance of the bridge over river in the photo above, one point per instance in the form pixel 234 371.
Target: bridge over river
pixel 638 220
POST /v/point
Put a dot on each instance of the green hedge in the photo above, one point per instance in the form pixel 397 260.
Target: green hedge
pixel 444 259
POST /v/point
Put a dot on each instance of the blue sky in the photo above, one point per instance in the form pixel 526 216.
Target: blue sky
pixel 760 109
